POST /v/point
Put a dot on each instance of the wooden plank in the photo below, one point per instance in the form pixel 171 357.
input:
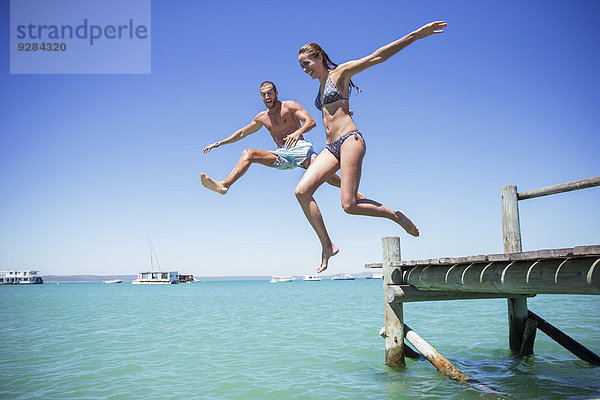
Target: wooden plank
pixel 566 341
pixel 394 320
pixel 410 294
pixel 479 258
pixel 433 356
pixel 517 256
pixel 564 187
pixel 498 257
pixel 541 254
pixel 586 250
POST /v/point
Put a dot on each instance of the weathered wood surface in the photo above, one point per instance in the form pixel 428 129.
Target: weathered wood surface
pixel 528 337
pixel 571 275
pixel 517 319
pixel 564 187
pixel 590 250
pixel 408 294
pixel 408 351
pixel 511 237
pixel 566 341
pixel 511 228
pixel 394 327
pixel 433 356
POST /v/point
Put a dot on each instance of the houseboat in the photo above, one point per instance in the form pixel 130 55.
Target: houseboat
pixel 159 277
pixel 156 278
pixel 20 278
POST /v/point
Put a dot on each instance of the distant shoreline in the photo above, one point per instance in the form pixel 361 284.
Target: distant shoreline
pixel 125 278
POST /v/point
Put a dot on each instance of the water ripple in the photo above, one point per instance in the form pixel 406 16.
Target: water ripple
pixel 254 340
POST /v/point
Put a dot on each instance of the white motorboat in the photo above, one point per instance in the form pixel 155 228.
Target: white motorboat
pixel 374 276
pixel 343 277
pixel 281 278
pixel 312 278
pixel 114 281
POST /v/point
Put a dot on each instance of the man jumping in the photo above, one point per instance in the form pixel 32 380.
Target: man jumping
pixel 287 122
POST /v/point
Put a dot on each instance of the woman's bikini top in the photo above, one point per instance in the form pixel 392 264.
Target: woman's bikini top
pixel 331 94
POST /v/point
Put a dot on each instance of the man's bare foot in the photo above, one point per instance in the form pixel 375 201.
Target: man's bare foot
pixel 213 185
pixel 360 195
pixel 407 224
pixel 325 256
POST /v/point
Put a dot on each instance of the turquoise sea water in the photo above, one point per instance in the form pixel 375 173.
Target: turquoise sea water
pixel 255 340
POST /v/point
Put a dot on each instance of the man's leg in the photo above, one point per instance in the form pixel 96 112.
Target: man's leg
pixel 249 156
pixel 333 180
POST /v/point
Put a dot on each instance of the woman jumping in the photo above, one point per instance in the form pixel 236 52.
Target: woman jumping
pixel 345 146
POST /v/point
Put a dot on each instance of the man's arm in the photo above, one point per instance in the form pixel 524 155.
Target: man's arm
pixel 307 124
pixel 237 135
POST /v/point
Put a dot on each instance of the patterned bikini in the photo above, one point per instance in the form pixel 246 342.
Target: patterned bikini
pixel 330 95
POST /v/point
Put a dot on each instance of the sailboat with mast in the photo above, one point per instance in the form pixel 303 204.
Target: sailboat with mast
pixel 159 277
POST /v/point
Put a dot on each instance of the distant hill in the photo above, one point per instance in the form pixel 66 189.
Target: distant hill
pixel 86 278
pixel 129 278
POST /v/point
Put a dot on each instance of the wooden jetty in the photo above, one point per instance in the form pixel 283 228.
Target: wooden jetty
pixel 514 275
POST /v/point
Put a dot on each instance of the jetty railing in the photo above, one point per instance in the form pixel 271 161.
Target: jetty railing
pixel 514 275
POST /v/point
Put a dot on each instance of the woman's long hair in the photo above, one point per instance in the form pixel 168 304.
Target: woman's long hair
pixel 313 49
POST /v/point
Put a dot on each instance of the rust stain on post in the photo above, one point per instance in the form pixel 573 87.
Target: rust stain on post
pixel 433 356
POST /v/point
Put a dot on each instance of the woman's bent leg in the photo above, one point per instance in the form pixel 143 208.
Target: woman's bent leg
pixel 351 156
pixel 318 172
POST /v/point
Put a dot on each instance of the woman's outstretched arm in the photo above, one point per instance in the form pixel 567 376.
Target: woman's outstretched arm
pixel 352 68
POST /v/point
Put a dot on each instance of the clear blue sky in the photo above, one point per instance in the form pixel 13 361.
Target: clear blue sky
pixel 90 165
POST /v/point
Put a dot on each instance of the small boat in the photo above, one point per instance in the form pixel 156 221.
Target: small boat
pixel 281 278
pixel 186 278
pixel 343 277
pixel 114 281
pixel 375 276
pixel 312 278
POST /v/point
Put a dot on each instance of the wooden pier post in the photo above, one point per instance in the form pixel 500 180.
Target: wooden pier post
pixel 511 235
pixel 394 322
pixel 433 356
pixel 565 341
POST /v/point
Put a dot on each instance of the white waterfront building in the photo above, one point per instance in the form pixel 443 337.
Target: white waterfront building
pixel 26 277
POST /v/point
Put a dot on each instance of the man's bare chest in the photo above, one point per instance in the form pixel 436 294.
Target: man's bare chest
pixel 282 122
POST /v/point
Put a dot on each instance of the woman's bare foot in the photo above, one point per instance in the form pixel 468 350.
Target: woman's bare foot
pixel 325 256
pixel 213 185
pixel 406 223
